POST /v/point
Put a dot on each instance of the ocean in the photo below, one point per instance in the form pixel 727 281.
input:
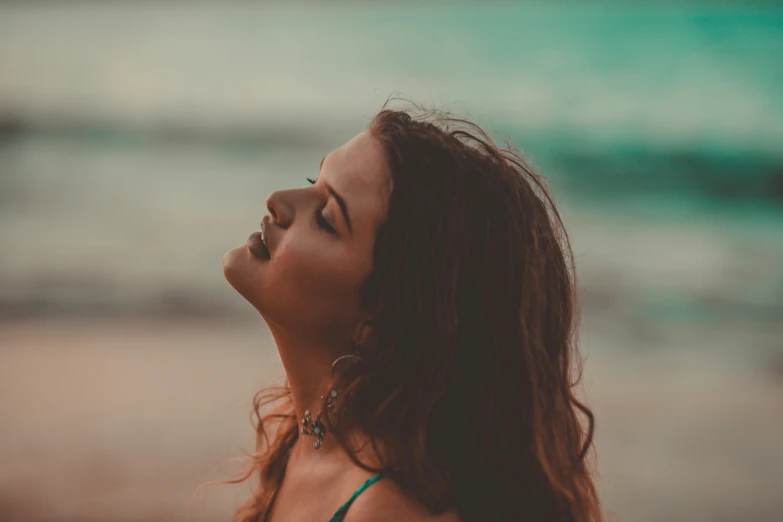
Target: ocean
pixel 138 141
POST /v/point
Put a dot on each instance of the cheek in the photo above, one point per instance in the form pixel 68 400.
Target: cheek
pixel 317 281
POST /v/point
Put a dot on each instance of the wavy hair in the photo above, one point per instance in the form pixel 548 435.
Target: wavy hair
pixel 467 390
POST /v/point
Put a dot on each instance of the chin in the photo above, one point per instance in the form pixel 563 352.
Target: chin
pixel 239 268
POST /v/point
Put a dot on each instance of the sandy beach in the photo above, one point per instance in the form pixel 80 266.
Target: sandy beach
pixel 123 421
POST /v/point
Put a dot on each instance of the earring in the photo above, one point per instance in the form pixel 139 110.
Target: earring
pixel 316 427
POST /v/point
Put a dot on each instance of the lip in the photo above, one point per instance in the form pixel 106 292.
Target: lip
pixel 256 246
pixel 259 243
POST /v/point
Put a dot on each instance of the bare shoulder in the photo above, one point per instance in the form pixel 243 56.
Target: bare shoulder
pixel 386 501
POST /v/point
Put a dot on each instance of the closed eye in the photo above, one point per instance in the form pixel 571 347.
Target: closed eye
pixel 319 216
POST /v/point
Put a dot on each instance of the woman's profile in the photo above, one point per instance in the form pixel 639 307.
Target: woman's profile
pixel 421 293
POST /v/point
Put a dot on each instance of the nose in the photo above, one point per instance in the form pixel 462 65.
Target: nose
pixel 280 209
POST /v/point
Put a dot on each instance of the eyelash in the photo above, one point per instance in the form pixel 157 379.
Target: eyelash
pixel 319 217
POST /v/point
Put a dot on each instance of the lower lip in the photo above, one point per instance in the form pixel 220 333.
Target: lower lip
pixel 256 246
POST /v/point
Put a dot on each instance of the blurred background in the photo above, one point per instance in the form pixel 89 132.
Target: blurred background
pixel 139 140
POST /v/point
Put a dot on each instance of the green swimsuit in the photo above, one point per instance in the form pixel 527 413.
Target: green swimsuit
pixel 340 513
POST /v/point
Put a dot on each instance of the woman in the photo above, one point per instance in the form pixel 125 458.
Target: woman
pixel 421 295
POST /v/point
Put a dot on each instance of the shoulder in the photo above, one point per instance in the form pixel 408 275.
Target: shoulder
pixel 385 501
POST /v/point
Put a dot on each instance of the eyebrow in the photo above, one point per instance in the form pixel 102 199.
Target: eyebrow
pixel 340 200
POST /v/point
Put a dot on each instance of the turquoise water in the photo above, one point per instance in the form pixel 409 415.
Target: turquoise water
pixel 127 127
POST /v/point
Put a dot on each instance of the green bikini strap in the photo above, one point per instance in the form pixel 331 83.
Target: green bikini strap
pixel 340 513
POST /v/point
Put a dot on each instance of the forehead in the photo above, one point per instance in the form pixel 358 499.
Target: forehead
pixel 359 173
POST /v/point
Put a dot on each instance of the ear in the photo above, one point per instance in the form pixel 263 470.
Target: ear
pixel 364 332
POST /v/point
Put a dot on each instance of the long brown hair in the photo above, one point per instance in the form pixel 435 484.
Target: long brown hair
pixel 468 388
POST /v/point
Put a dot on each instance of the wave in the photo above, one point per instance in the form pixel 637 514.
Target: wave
pixel 598 171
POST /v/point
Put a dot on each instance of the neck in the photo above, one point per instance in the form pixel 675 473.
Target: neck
pixel 308 366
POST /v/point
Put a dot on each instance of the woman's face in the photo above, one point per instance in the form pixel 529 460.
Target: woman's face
pixel 320 242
